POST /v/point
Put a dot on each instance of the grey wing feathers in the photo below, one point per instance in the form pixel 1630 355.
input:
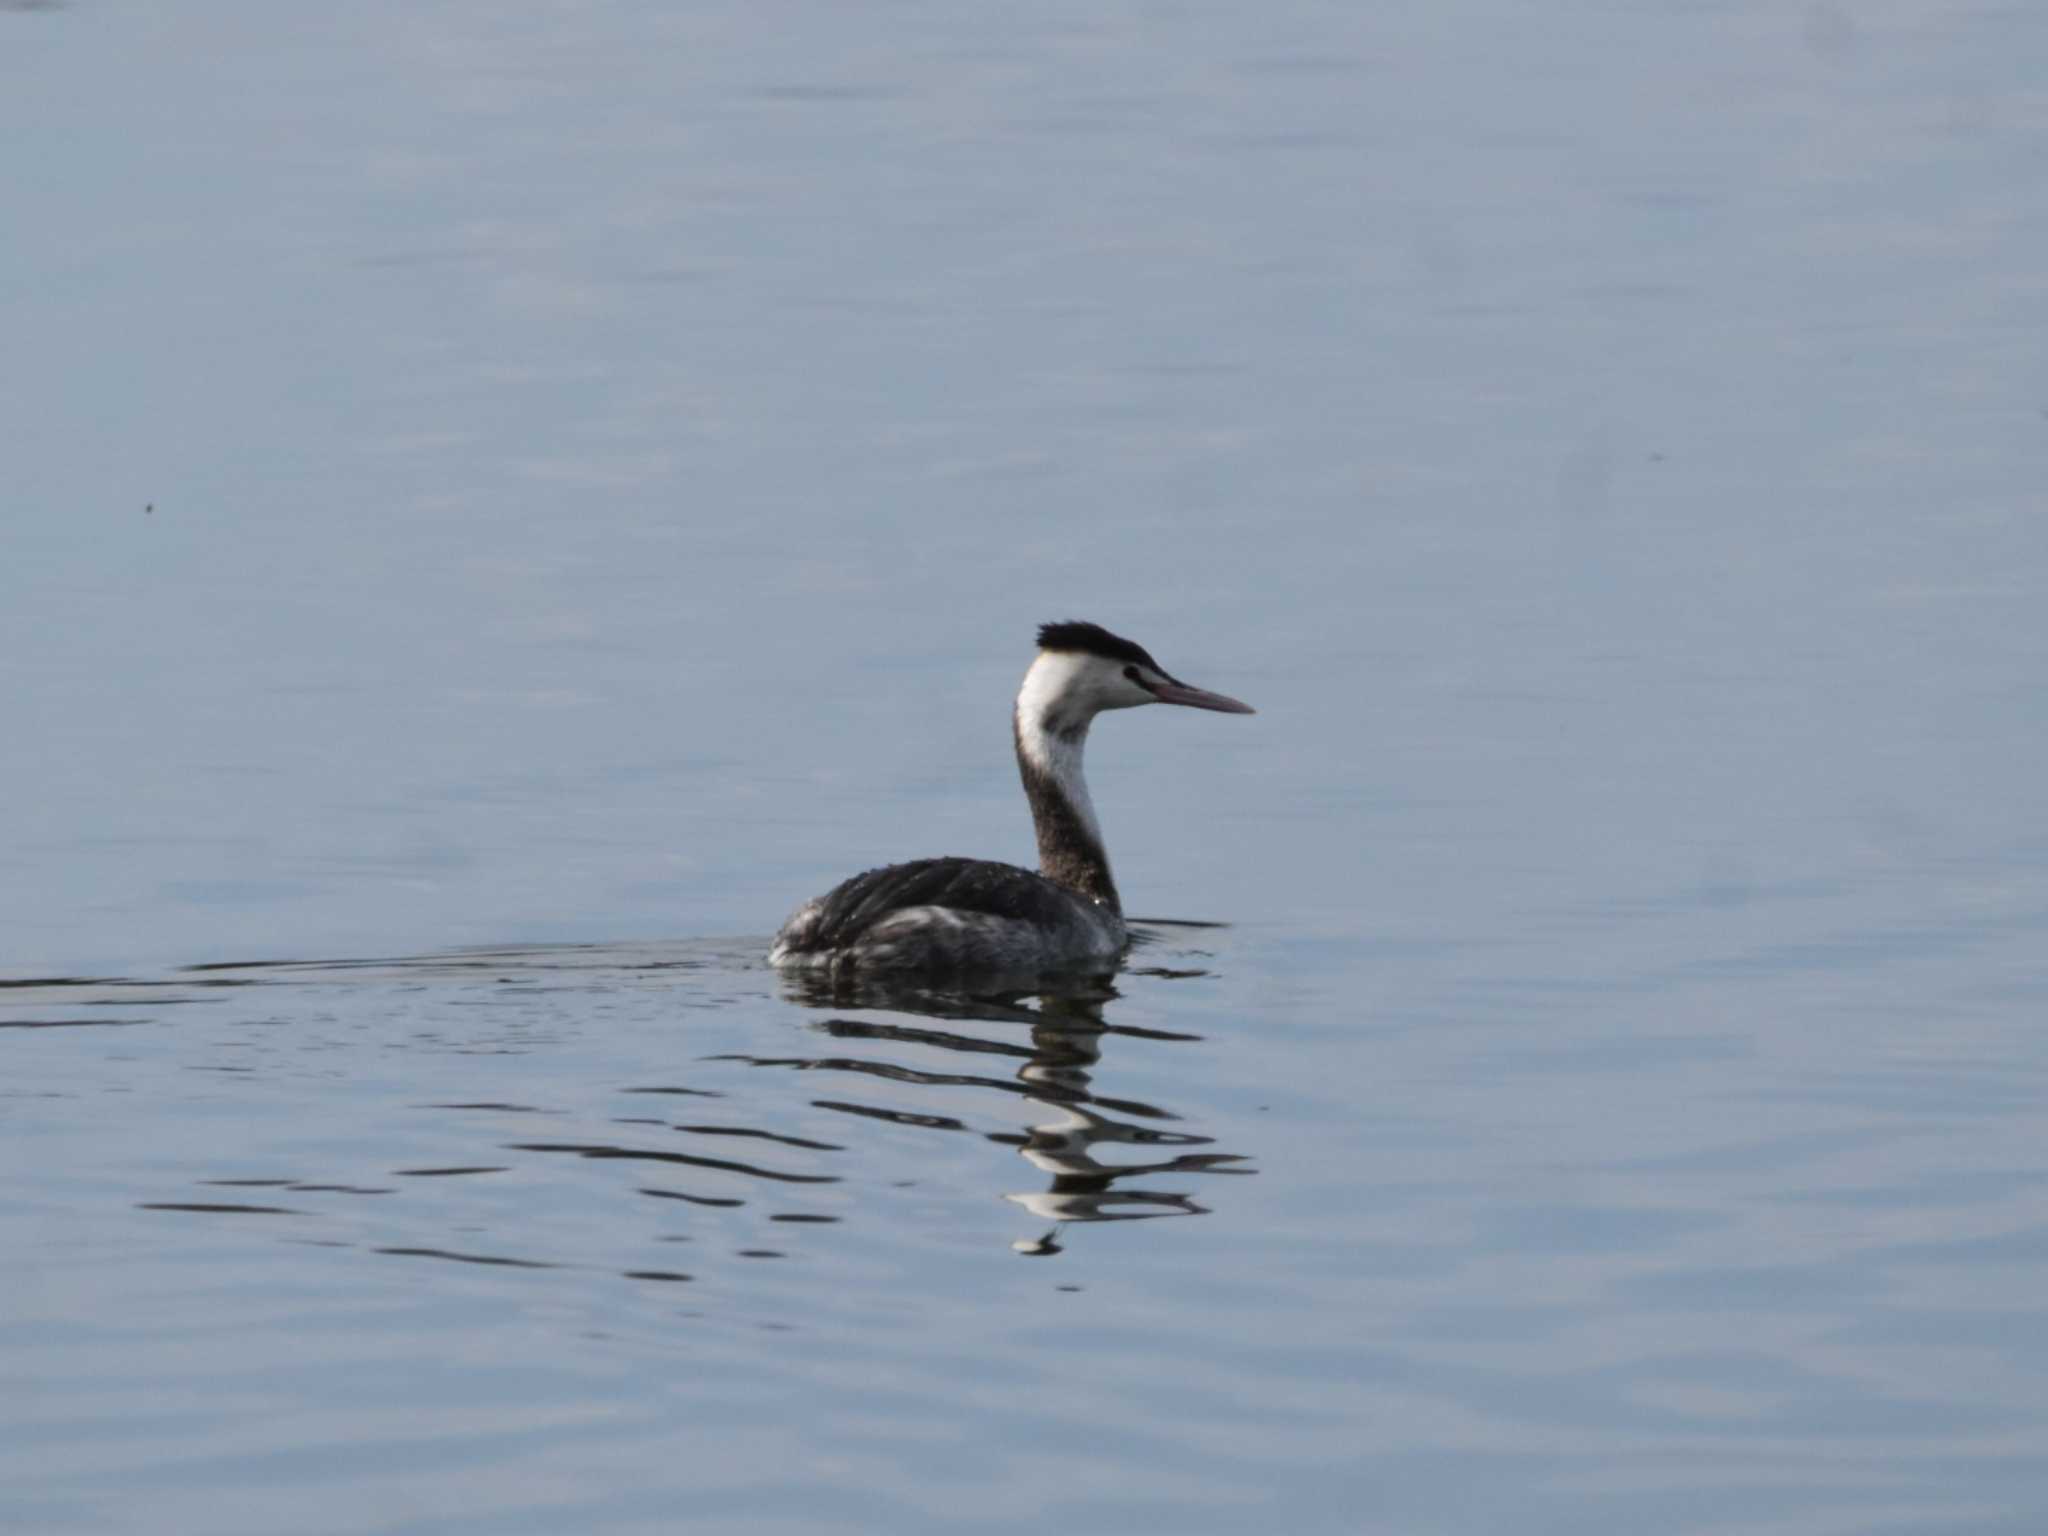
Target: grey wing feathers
pixel 854 906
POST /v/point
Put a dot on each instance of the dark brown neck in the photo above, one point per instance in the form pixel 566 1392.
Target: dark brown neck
pixel 1070 851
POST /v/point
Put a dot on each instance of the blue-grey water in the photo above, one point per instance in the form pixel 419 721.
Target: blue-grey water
pixel 498 503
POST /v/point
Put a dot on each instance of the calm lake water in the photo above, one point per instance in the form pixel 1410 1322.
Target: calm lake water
pixel 498 504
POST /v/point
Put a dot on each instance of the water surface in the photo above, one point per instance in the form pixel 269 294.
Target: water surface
pixel 497 507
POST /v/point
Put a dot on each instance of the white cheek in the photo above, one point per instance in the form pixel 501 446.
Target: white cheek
pixel 1126 694
pixel 1052 677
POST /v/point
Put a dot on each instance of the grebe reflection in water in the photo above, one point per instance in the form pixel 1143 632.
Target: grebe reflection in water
pixel 1071 1137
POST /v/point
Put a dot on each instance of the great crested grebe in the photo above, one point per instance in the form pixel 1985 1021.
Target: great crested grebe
pixel 957 914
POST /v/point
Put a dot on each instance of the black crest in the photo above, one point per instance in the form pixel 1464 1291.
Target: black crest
pixel 1094 640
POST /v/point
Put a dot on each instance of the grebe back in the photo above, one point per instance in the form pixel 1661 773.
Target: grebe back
pixel 955 914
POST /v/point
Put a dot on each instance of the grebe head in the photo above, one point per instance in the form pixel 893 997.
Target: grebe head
pixel 1083 669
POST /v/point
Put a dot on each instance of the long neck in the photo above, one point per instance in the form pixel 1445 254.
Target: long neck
pixel 1070 851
